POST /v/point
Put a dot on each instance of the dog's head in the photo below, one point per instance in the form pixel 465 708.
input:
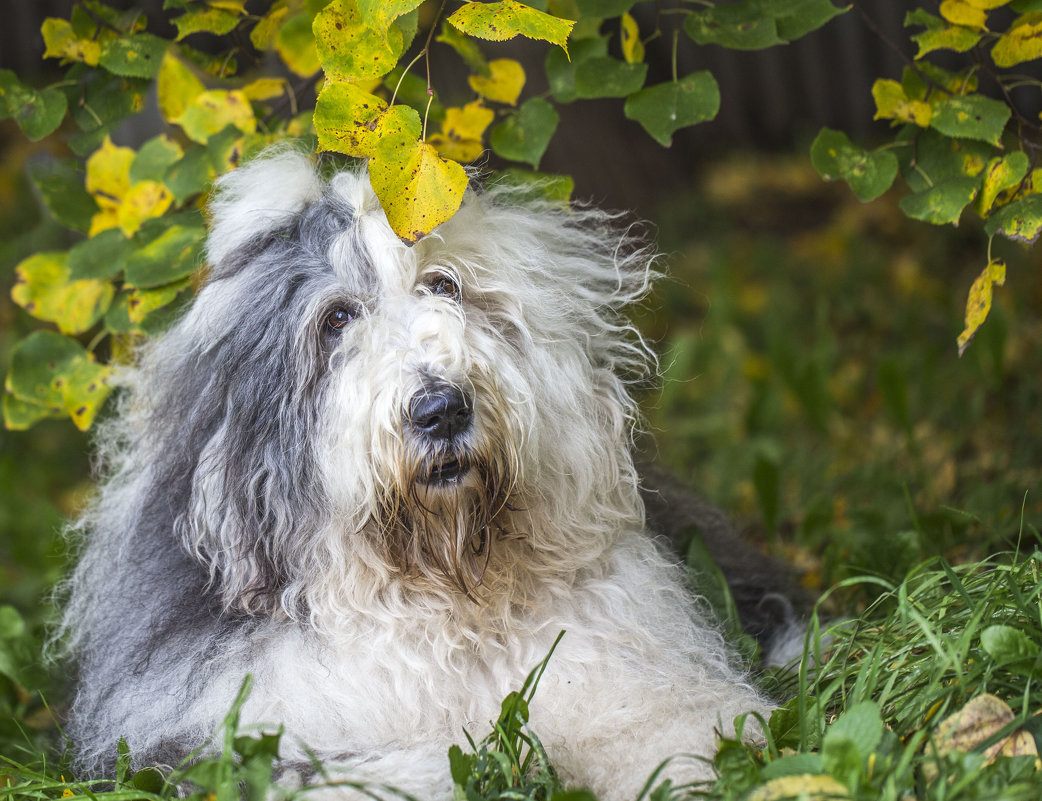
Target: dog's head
pixel 339 413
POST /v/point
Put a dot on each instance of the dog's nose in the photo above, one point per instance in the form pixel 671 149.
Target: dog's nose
pixel 440 413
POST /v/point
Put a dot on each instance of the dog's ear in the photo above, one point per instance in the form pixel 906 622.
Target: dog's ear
pixel 258 198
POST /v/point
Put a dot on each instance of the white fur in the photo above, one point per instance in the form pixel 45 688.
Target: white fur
pixel 375 665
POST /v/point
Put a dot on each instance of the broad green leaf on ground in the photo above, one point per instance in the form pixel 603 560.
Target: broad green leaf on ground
pixel 417 188
pixel 942 203
pixel 205 20
pixel 869 173
pixel 44 289
pixel 61 187
pixel 154 159
pixel 978 304
pixel 56 373
pixel 348 49
pixel 507 19
pixel 940 35
pixel 892 103
pixel 379 14
pixel 608 77
pixel 171 256
pixel 136 56
pixel 62 41
pixel 1022 42
pixel 971 117
pixel 463 130
pixel 560 70
pixel 1006 644
pixel 860 724
pixel 100 257
pixel 544 185
pixel 667 107
pixel 504 82
pixel 524 135
pixel 177 86
pixel 629 33
pixel 1020 220
pixel 214 110
pixel 1002 173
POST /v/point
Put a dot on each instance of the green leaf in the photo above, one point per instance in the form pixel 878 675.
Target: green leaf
pixel 869 173
pixel 171 256
pixel 41 113
pixel 542 185
pixel 939 34
pixel 61 186
pixel 1002 174
pixel 44 289
pixel 861 724
pixel 608 77
pixel 942 203
pixel 190 175
pixel 417 188
pixel 136 56
pixel 348 49
pixel 98 102
pixel 208 20
pixel 737 26
pixel 154 158
pixel 21 415
pixel 793 764
pixel 667 107
pixel 971 117
pixel 1020 220
pixel 797 18
pixel 53 371
pixel 560 70
pixel 1006 644
pixel 524 135
pixel 927 158
pixel 506 19
pixel 100 257
pixel 296 45
pixel 379 14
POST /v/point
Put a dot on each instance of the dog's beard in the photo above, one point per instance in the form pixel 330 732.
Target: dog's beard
pixel 441 518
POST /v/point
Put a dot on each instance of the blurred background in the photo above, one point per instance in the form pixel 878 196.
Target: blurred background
pixel 810 381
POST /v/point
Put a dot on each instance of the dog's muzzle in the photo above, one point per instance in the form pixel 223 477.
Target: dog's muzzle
pixel 440 415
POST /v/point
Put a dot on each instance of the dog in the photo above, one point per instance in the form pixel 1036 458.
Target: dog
pixel 381 480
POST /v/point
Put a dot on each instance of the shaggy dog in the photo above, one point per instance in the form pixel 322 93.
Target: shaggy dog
pixel 381 480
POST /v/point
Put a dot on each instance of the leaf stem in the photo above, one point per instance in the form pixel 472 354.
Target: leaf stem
pixel 676 39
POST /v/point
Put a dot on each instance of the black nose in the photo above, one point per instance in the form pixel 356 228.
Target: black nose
pixel 440 412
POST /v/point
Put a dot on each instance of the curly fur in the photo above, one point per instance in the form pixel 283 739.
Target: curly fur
pixel 267 509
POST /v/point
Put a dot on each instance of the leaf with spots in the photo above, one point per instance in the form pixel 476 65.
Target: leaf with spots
pixel 971 117
pixel 667 107
pixel 61 40
pixel 869 173
pixel 139 55
pixel 418 189
pixel 463 130
pixel 108 180
pixel 142 302
pixel 206 20
pixel 1002 173
pixel 172 255
pixel 978 304
pixel 1020 220
pixel 1022 42
pixel 43 287
pixel 942 203
pixel 212 111
pixel 349 49
pixel 378 15
pixel 504 20
pixel 893 103
pixel 940 35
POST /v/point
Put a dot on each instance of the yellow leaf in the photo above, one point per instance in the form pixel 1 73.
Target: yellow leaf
pixel 144 200
pixel 417 188
pixel 346 119
pixel 42 287
pixel 84 390
pixel 499 21
pixel 349 49
pixel 108 180
pixel 503 85
pixel 978 304
pixel 1003 173
pixel 142 302
pixel 235 6
pixel 213 111
pixel 61 42
pixel 462 131
pixel 265 88
pixel 295 44
pixel 987 5
pixel 632 46
pixel 808 786
pixel 264 32
pixel 1022 42
pixel 893 104
pixel 980 719
pixel 961 12
pixel 177 87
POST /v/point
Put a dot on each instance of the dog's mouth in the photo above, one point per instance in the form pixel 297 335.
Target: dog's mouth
pixel 447 472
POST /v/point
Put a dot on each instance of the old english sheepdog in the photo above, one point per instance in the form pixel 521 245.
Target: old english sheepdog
pixel 381 480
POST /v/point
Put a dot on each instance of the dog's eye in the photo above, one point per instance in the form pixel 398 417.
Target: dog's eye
pixel 444 286
pixel 339 317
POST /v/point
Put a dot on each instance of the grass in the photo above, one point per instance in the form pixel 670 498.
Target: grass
pixel 811 388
